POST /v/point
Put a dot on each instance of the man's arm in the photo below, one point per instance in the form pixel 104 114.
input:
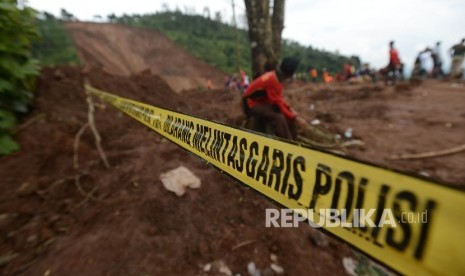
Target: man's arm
pixel 278 100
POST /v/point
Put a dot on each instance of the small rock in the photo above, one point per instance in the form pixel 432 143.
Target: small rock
pixel 319 239
pixel 448 125
pixel 223 268
pixel 348 133
pixel 315 122
pixel 349 265
pixel 424 173
pixel 274 258
pixel 178 179
pixel 252 269
pixel 207 267
pixel 276 268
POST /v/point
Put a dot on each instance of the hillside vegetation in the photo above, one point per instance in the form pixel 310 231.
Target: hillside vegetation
pixel 206 38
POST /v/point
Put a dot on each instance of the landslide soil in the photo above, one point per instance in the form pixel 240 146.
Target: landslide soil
pixel 135 226
pixel 122 50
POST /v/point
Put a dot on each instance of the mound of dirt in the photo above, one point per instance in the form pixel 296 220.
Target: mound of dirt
pixel 121 220
pixel 122 50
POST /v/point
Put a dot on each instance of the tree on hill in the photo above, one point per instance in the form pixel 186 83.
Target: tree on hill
pixel 66 16
pixel 265 31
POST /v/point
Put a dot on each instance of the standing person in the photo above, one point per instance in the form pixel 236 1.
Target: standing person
pixel 419 68
pixel 395 66
pixel 437 61
pixel 457 52
pixel 313 74
pixel 263 100
pixel 209 84
pixel 246 82
pixel 327 78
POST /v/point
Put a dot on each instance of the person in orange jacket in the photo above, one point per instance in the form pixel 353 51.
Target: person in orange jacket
pixel 264 100
pixel 327 78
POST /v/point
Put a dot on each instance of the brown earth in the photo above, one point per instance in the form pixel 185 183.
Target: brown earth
pixel 133 226
pixel 122 50
pixel 395 120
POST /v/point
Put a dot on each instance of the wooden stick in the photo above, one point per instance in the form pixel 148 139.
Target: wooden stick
pixel 98 139
pixel 429 154
pixel 242 244
pixel 77 139
pixel 77 176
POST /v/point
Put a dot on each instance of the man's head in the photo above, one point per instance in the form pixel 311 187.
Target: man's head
pixel 463 40
pixel 288 66
pixel 391 43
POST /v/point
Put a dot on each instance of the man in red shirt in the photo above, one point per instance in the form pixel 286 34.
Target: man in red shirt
pixel 395 66
pixel 264 101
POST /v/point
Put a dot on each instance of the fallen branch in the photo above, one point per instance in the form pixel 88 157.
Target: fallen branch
pixel 429 154
pixel 31 121
pixel 242 244
pixel 98 139
pixel 77 176
pixel 77 139
pixel 89 195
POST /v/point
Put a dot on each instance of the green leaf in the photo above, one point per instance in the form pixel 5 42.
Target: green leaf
pixel 7 119
pixel 7 7
pixel 7 145
pixel 5 85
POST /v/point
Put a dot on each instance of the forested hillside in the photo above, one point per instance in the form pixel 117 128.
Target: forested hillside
pixel 207 38
pixel 55 46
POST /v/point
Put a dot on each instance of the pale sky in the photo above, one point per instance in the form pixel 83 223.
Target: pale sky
pixel 355 27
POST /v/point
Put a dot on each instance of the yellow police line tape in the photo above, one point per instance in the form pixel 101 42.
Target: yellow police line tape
pixel 426 239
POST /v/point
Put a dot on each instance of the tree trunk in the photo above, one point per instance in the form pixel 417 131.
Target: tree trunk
pixel 264 33
pixel 277 25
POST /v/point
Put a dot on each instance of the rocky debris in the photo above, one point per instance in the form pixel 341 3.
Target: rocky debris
pixel 179 179
pixel 319 239
pixel 252 269
pixel 350 265
pixel 277 268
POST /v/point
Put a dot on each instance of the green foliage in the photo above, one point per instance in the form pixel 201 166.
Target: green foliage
pixel 55 46
pixel 17 69
pixel 313 58
pixel 213 42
